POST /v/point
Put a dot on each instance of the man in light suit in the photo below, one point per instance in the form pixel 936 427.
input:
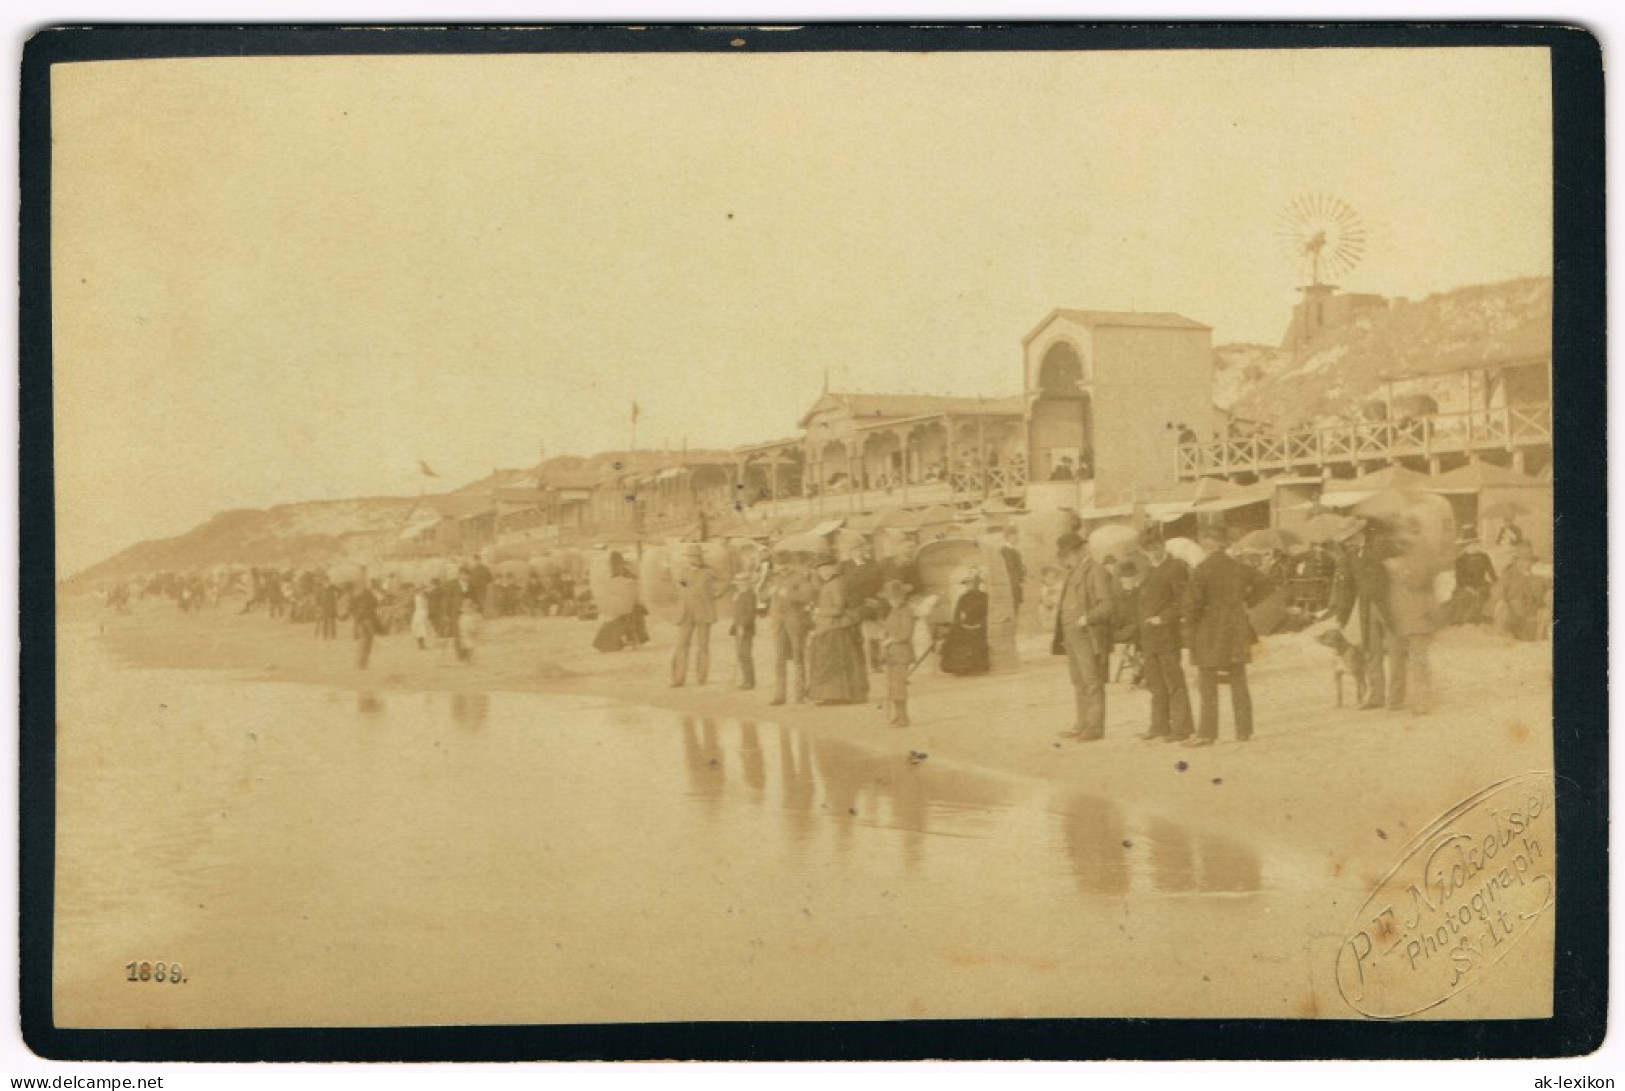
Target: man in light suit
pixel 789 620
pixel 698 592
pixel 1083 633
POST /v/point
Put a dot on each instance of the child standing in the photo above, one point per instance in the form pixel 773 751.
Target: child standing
pixel 898 647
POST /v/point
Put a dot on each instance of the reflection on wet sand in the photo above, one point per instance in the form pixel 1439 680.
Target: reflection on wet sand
pixel 1113 855
pixel 470 709
pixel 374 823
pixel 813 781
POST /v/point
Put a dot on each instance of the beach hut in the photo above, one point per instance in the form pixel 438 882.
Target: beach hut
pixel 1481 493
pixel 943 567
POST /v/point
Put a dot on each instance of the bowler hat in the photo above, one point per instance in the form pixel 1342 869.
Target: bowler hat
pixel 896 589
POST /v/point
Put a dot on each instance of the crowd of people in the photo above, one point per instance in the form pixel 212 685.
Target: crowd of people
pixel 441 611
pixel 832 623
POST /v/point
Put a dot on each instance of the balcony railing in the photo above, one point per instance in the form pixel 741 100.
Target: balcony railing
pixel 1502 429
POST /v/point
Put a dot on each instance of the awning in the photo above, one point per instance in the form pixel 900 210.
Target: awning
pixel 670 472
pixel 1345 499
pixel 828 526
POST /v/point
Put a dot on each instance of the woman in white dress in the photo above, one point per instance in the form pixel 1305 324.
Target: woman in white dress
pixel 421 629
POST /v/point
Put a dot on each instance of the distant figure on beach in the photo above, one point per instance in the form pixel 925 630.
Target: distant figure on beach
pixel 1083 633
pixel 1475 581
pixel 863 579
pixel 964 649
pixel 899 649
pixel 1362 591
pixel 327 609
pixel 468 631
pixel 836 671
pixel 1015 566
pixel 1522 595
pixel 789 620
pixel 422 628
pixel 698 592
pixel 743 629
pixel 1510 534
pixel 1221 638
pixel 623 625
pixel 1160 610
pixel 363 621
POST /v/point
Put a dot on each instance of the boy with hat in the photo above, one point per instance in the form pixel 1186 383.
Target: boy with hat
pixel 898 648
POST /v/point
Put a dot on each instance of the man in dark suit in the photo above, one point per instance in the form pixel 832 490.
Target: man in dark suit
pixel 1161 607
pixel 864 580
pixel 1216 601
pixel 1365 588
pixel 1083 633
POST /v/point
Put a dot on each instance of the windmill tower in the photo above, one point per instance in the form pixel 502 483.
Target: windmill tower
pixel 1324 238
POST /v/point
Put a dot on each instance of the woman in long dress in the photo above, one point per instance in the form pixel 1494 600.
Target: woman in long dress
pixel 622 613
pixel 836 670
pixel 964 649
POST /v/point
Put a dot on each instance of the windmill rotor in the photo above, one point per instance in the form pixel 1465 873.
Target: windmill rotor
pixel 1323 236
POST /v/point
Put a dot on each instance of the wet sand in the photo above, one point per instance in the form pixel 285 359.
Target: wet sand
pixel 1332 776
pixel 1337 792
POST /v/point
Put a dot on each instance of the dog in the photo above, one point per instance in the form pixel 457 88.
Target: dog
pixel 1350 661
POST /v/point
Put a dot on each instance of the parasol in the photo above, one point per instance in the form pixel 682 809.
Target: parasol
pixel 1268 539
pixel 1506 509
pixel 1115 540
pixel 1186 550
pixel 810 544
pixel 1326 527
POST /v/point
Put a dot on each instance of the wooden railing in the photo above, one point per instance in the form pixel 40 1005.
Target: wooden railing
pixel 1502 429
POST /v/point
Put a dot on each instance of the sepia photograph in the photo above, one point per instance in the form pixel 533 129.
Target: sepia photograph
pixel 591 527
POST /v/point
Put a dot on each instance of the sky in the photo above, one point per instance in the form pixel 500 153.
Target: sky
pixel 296 278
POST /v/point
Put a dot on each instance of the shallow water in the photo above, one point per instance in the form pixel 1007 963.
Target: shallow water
pixel 321 857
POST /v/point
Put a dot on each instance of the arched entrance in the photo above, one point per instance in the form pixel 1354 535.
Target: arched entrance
pixel 1060 426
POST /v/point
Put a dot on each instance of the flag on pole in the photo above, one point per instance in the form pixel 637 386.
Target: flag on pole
pixel 634 412
pixel 424 468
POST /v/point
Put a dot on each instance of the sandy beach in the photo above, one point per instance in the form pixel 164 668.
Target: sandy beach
pixel 1357 783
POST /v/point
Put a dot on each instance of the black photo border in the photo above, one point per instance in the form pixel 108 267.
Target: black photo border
pixel 1579 668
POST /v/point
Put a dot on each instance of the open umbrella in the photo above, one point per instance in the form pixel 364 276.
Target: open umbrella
pixel 1326 527
pixel 1269 539
pixel 1506 509
pixel 810 544
pixel 1114 540
pixel 1186 550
